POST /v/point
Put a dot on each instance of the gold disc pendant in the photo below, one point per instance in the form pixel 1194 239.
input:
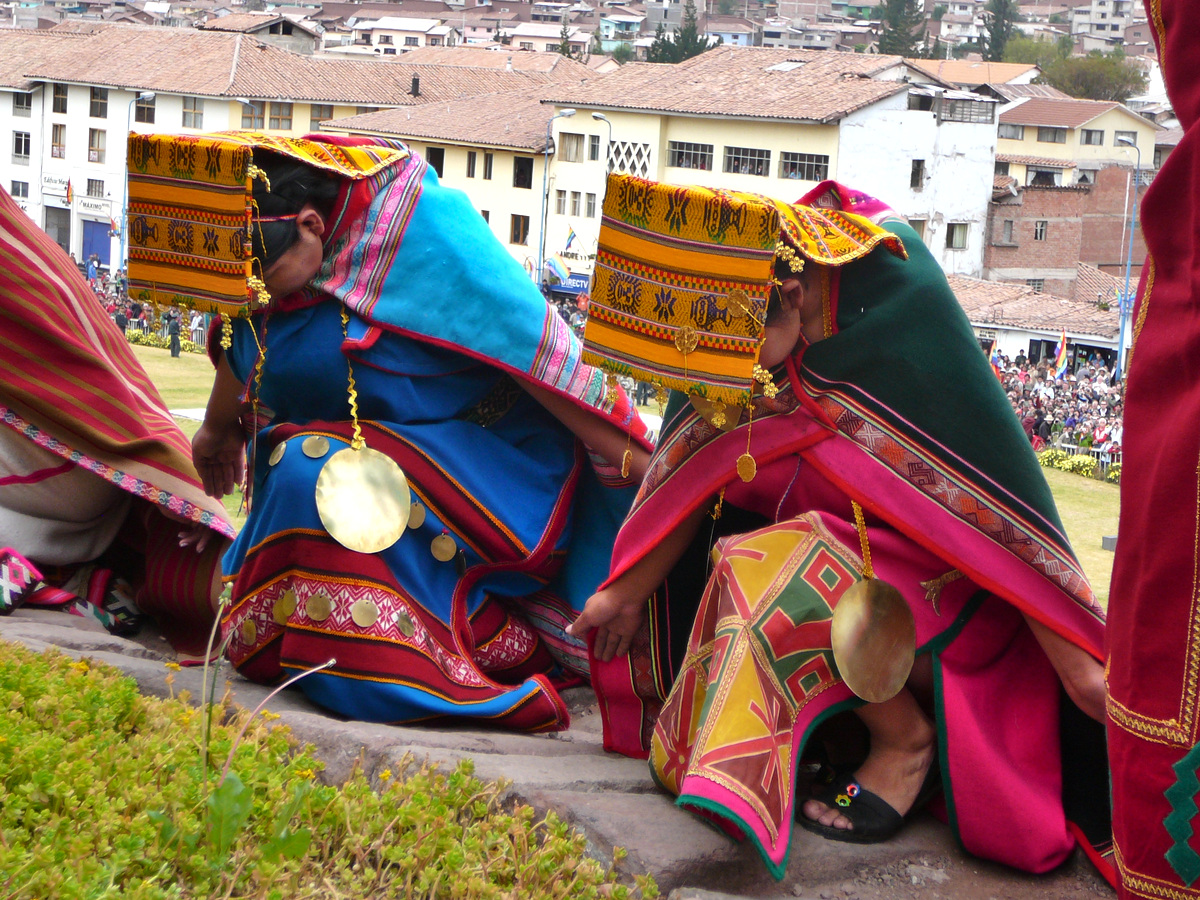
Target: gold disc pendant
pixel 443 548
pixel 874 639
pixel 747 468
pixel 416 515
pixel 363 499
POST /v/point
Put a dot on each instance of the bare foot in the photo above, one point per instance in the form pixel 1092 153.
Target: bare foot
pixel 902 750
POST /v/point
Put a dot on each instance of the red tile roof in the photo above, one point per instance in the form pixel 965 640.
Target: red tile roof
pixel 22 49
pixel 514 121
pixel 1048 161
pixel 217 64
pixel 1020 306
pixel 747 82
pixel 1057 113
pixel 971 73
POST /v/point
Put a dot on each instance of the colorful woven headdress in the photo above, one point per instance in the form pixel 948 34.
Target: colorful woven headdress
pixel 191 209
pixel 683 276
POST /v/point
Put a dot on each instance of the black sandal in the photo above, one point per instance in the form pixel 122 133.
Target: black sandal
pixel 873 818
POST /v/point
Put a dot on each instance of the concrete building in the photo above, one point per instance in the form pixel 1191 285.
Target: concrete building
pixel 777 122
pixel 1101 24
pixel 68 100
pixel 285 32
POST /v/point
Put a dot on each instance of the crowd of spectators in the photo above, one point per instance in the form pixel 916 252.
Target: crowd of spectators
pixel 1081 410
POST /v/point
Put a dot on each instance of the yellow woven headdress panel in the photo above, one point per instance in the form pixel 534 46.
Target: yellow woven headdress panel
pixel 683 275
pixel 680 286
pixel 190 211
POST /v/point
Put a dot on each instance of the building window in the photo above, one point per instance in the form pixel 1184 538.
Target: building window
pixel 487 166
pixel 1048 135
pixel 804 166
pixel 193 112
pixel 518 232
pixel 254 115
pixel 21 148
pixel 966 111
pixel 1006 233
pixel 916 179
pixel 1043 177
pixel 747 161
pixel 95 187
pixel 97 139
pixel 560 203
pixel 1119 136
pixel 487 216
pixel 143 110
pixel 1038 284
pixel 411 41
pixel 956 236
pixel 435 42
pixel 436 157
pixel 593 147
pixel 1011 132
pixel 363 110
pixel 99 103
pixel 281 117
pixel 58 141
pixel 570 148
pixel 526 45
pixel 1001 168
pixel 385 39
pixel 576 198
pixel 318 113
pixel 471 157
pixel 1039 230
pixel 1092 136
pixel 20 189
pixel 23 104
pixel 590 206
pixel 918 225
pixel 60 98
pixel 683 155
pixel 522 173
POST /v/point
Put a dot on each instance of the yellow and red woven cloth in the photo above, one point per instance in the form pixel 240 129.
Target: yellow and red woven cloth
pixel 191 211
pixel 683 275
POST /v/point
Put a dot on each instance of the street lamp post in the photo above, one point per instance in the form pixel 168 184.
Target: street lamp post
pixel 540 277
pixel 600 117
pixel 1123 316
pixel 144 95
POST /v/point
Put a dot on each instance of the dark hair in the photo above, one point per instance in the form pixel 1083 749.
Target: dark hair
pixel 293 184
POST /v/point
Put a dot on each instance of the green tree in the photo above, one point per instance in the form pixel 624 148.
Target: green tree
pixel 564 39
pixel 903 21
pixel 684 43
pixel 623 53
pixel 939 12
pixel 1001 17
pixel 1097 76
pixel 1039 52
pixel 727 7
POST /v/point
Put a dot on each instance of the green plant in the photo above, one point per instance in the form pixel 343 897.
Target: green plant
pixel 104 793
pixel 1113 476
pixel 1052 458
pixel 152 339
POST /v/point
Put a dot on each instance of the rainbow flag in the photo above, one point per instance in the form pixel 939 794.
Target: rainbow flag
pixel 70 193
pixel 557 267
pixel 570 238
pixel 994 359
pixel 1060 357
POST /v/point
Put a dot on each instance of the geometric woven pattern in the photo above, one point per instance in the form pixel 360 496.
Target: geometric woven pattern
pixel 759 653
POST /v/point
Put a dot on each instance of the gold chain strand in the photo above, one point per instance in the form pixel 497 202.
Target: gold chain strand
pixel 357 441
pixel 861 525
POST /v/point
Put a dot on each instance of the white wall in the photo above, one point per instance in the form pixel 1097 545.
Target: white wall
pixel 877 149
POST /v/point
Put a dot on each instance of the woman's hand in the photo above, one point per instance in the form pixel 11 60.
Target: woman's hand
pixel 219 457
pixel 616 616
pixel 198 535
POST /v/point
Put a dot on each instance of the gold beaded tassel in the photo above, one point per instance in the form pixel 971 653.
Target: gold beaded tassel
pixel 357 442
pixel 611 386
pixel 861 524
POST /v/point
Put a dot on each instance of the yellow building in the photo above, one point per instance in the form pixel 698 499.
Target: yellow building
pixel 1046 141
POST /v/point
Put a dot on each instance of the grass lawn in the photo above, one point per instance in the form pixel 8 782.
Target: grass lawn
pixel 1089 511
pixel 1088 508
